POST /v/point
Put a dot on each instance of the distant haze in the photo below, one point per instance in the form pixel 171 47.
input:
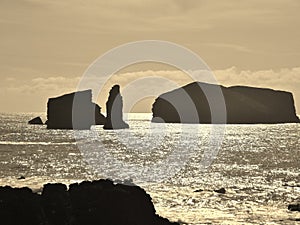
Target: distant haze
pixel 47 45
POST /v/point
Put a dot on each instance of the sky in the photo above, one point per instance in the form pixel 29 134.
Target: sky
pixel 46 45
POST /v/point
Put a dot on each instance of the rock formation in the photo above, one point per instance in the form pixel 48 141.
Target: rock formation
pixel 244 105
pixel 220 191
pixel 294 207
pixel 114 110
pixel 91 203
pixel 73 111
pixel 36 120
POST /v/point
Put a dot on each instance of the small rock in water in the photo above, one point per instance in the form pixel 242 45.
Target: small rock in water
pixel 294 207
pixel 198 190
pixel 36 120
pixel 221 191
pixel 21 178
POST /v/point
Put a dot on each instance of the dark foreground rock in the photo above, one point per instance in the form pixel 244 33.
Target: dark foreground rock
pixel 73 111
pixel 294 207
pixel 89 203
pixel 244 105
pixel 114 110
pixel 36 120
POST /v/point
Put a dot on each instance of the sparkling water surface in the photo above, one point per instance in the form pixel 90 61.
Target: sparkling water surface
pixel 258 165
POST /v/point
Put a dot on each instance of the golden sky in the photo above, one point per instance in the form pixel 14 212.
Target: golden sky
pixel 46 45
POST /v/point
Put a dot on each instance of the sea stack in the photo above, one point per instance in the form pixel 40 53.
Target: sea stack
pixel 114 110
pixel 243 105
pixel 73 111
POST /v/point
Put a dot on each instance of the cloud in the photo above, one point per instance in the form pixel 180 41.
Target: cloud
pixel 249 34
pixel 283 79
pixel 31 95
pixel 231 46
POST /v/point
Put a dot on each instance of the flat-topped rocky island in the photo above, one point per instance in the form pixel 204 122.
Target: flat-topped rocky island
pixel 194 102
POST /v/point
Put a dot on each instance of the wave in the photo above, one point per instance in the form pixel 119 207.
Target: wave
pixel 35 143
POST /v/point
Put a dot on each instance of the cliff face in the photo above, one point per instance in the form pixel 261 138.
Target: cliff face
pixel 61 113
pixel 243 105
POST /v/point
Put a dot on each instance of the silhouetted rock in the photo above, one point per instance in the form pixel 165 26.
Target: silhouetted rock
pixel 220 191
pixel 20 206
pixel 247 105
pixel 198 190
pixel 91 203
pixel 73 111
pixel 36 120
pixel 21 178
pixel 294 207
pixel 114 110
pixel 55 202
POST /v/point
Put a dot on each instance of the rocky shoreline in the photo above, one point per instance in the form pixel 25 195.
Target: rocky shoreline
pixel 87 203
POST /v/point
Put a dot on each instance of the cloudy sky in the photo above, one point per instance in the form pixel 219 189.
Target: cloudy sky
pixel 46 45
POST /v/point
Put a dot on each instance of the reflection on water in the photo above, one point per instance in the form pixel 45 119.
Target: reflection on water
pixel 258 165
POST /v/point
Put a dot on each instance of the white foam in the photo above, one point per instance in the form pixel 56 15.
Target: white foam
pixel 35 143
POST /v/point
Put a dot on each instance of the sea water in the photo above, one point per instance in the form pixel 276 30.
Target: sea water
pixel 258 165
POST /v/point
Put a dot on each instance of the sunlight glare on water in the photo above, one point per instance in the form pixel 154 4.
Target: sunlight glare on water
pixel 258 165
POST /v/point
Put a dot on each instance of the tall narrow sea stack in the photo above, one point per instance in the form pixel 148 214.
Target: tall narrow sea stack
pixel 114 110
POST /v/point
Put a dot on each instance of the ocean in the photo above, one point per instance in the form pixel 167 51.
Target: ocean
pixel 258 165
